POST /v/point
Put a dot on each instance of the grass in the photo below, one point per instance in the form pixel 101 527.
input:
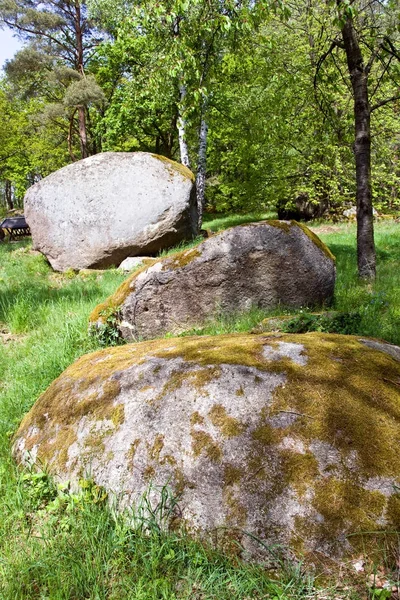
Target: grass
pixel 57 545
pixel 219 222
pixel 80 548
pixel 377 303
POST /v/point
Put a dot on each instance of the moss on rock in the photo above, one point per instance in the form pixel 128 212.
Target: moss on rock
pixel 175 166
pixel 305 453
pixel 113 302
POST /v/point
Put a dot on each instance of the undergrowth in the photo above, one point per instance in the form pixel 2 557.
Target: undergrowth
pixel 56 543
pixel 75 544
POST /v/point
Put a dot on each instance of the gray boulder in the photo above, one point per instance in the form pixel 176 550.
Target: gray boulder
pixel 293 439
pixel 260 264
pixel 351 213
pixel 96 212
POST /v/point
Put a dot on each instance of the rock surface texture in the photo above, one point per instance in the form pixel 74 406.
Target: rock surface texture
pixel 97 211
pixel 260 264
pixel 292 438
pixel 133 262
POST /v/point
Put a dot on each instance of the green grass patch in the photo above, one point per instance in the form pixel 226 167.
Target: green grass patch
pixel 74 545
pixel 377 303
pixel 218 222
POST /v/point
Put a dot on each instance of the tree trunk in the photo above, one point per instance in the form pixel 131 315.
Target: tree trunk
pixel 70 131
pixel 80 67
pixel 8 195
pixel 202 165
pixel 82 132
pixel 362 148
pixel 181 123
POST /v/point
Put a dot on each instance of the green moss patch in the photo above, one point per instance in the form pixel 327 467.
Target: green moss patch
pixel 174 166
pixel 112 303
pixel 228 426
pixel 315 239
pixel 203 443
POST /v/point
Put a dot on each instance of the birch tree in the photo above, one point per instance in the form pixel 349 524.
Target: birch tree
pixel 191 37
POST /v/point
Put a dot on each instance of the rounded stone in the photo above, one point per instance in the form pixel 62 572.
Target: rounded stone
pixel 263 265
pixel 96 212
pixel 291 438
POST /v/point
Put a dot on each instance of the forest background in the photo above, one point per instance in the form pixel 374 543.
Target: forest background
pixel 260 98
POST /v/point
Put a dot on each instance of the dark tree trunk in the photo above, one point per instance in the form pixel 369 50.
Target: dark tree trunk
pixel 8 195
pixel 362 147
pixel 80 67
pixel 82 132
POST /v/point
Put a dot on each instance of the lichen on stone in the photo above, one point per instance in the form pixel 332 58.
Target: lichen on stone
pixel 305 452
pixel 175 167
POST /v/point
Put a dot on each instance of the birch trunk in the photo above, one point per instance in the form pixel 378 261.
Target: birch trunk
pixel 202 165
pixel 181 124
pixel 366 256
pixel 82 128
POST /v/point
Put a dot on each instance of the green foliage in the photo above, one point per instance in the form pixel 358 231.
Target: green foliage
pixel 344 323
pixel 107 333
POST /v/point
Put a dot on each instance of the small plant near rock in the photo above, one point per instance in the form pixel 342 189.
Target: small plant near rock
pixel 39 488
pixel 50 505
pixel 107 332
pixel 347 323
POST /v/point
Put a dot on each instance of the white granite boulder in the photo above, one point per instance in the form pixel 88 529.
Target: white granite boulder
pixel 97 211
pixel 133 262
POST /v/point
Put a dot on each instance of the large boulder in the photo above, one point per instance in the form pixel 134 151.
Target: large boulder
pixel 293 439
pixel 260 264
pixel 97 211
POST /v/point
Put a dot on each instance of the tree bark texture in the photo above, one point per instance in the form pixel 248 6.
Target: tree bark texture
pixel 80 68
pixel 362 148
pixel 181 124
pixel 202 165
pixel 8 194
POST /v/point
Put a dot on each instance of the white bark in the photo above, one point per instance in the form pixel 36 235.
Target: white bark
pixel 182 129
pixel 202 165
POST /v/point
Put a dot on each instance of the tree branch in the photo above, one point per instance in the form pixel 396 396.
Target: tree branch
pixel 392 48
pixel 334 44
pixel 384 102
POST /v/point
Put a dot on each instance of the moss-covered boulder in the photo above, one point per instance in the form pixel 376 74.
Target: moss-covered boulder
pixel 259 264
pixel 293 439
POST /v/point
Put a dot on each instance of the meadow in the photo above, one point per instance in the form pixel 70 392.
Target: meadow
pixel 55 544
